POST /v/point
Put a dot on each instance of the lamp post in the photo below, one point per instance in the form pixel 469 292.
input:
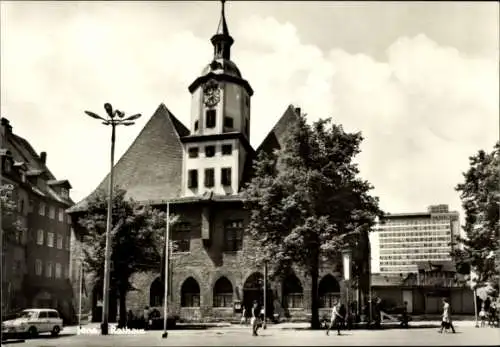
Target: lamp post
pixel 114 118
pixel 265 295
pixel 80 289
pixel 165 296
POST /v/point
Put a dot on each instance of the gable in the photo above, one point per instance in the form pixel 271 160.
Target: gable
pixel 151 168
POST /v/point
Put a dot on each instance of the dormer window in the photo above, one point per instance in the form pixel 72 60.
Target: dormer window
pixel 210 118
pixel 7 166
pixel 193 152
pixel 64 193
pixel 209 151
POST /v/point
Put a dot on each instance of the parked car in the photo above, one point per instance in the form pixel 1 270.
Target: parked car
pixel 33 321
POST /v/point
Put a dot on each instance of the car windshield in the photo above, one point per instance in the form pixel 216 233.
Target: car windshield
pixel 27 314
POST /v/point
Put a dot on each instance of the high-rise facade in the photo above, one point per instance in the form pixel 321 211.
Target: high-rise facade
pixel 400 241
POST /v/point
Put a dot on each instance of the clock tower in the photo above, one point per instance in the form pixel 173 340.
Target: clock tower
pixel 218 145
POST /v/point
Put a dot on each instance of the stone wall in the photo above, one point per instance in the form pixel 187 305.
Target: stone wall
pixel 206 262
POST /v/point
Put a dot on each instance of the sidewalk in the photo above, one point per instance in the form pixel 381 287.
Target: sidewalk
pixel 72 330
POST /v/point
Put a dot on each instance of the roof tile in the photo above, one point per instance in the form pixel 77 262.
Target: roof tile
pixel 151 168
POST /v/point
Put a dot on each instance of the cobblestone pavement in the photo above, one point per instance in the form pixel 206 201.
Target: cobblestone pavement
pixel 277 336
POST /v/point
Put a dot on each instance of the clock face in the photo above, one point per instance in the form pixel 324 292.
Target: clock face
pixel 211 94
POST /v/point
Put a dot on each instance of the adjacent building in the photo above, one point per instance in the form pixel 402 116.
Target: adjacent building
pixel 201 170
pixel 400 241
pixel 35 258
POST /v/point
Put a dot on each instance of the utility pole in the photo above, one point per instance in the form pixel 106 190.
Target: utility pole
pixel 165 296
pixel 80 296
pixel 265 295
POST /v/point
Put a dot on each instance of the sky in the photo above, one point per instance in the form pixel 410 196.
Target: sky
pixel 420 80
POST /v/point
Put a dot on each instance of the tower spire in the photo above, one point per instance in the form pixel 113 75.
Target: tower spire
pixel 222 41
pixel 222 29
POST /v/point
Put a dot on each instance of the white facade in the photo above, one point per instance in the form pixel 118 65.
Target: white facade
pixel 207 159
pixel 401 241
pixel 217 162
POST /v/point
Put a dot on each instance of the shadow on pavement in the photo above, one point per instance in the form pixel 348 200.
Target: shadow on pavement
pixel 384 327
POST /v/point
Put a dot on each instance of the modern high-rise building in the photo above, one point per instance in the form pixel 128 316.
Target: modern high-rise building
pixel 401 240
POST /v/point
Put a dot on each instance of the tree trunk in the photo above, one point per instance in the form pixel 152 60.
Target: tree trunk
pixel 123 309
pixel 314 272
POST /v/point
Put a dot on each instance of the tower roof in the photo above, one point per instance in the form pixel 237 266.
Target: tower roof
pixel 222 41
pixel 222 28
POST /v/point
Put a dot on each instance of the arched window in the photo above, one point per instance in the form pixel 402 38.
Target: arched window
pixel 329 291
pixel 223 293
pixel 156 293
pixel 292 292
pixel 190 293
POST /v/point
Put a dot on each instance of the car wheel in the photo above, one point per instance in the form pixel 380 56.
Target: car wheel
pixel 32 332
pixel 56 331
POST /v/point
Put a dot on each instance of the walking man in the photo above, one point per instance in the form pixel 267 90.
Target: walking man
pixel 255 318
pixel 446 323
pixel 336 319
pixel 146 317
pixel 243 319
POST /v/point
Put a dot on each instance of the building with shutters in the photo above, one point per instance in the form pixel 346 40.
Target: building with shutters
pixel 35 260
pixel 200 169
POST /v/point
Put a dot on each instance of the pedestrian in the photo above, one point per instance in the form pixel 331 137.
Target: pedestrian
pixel 255 318
pixel 146 317
pixel 404 316
pixel 482 315
pixel 335 319
pixel 243 319
pixel 493 318
pixel 130 319
pixel 446 322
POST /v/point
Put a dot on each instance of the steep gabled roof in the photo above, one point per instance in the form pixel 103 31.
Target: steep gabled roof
pixel 275 138
pixel 23 151
pixel 151 168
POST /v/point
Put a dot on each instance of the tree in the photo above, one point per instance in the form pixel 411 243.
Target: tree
pixel 137 241
pixel 480 195
pixel 306 202
pixel 10 223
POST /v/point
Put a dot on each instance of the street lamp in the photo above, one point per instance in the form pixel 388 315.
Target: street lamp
pixel 114 118
pixel 265 296
pixel 165 293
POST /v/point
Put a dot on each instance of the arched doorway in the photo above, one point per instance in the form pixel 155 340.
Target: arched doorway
pixel 190 293
pixel 293 293
pixel 156 293
pixel 253 290
pixel 223 293
pixel 329 291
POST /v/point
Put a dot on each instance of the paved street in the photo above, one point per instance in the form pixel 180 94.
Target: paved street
pixel 276 335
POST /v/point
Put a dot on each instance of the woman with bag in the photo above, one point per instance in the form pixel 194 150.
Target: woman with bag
pixel 255 321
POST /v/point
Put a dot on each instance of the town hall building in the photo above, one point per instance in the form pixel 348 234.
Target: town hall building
pixel 201 171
